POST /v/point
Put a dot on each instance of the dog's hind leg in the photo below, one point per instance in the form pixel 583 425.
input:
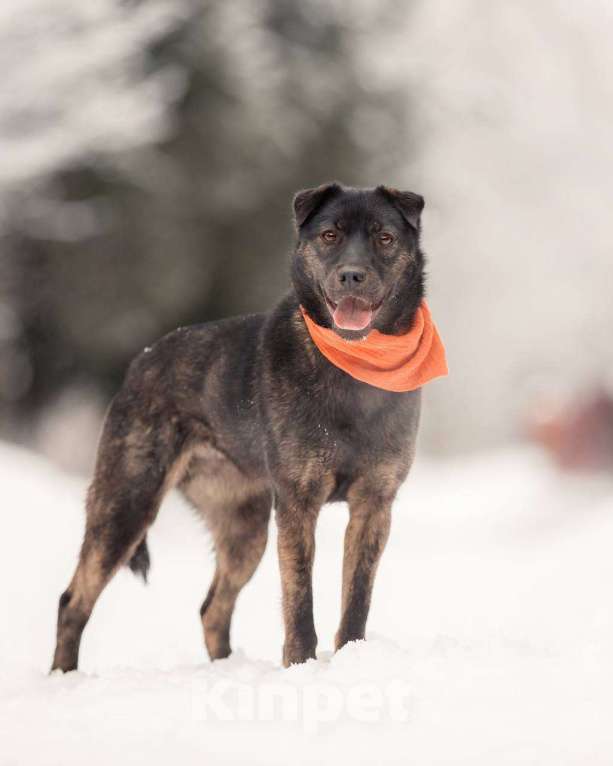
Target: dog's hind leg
pixel 237 514
pixel 137 462
pixel 240 540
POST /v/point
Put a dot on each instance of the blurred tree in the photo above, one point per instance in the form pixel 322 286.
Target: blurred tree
pixel 118 247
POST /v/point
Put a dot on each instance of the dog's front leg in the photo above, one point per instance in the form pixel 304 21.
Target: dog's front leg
pixel 296 520
pixel 365 538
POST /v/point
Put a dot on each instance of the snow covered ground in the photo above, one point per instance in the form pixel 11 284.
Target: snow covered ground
pixel 491 633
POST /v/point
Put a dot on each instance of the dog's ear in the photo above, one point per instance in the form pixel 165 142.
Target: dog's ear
pixel 408 203
pixel 308 201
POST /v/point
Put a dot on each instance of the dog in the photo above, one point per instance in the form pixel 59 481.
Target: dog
pixel 246 413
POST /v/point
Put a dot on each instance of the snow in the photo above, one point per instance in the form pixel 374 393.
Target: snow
pixel 490 633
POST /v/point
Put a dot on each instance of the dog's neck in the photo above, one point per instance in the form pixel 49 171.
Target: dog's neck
pixel 399 363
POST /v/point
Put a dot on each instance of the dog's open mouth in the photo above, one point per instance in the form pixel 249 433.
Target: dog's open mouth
pixel 352 313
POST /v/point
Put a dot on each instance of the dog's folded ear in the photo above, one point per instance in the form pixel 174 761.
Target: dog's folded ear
pixel 408 203
pixel 308 201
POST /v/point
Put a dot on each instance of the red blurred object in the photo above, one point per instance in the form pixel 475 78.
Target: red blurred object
pixel 577 431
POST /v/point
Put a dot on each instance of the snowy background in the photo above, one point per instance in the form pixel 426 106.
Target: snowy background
pixel 149 154
pixel 150 151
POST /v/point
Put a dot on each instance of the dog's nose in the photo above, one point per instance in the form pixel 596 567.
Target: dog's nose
pixel 351 275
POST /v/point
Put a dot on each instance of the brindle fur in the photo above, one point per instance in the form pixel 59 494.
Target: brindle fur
pixel 242 411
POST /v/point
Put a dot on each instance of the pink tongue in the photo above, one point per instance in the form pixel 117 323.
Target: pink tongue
pixel 352 314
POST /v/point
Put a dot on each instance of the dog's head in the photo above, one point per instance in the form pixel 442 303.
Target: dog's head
pixel 357 263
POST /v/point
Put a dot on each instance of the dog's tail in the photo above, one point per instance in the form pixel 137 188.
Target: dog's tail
pixel 141 561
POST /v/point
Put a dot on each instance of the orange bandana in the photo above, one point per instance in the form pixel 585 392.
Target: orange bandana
pixel 392 362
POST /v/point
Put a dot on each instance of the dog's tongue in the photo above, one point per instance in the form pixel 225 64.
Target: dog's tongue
pixel 352 314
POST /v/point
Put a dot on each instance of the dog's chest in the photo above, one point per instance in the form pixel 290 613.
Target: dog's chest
pixel 354 443
pixel 358 422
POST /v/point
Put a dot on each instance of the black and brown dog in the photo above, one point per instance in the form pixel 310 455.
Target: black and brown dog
pixel 246 412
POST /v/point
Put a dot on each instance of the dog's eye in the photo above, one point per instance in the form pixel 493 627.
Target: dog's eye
pixel 329 235
pixel 385 238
